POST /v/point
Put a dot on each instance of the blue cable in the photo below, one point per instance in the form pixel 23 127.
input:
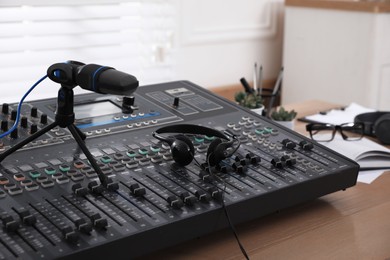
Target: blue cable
pixel 20 107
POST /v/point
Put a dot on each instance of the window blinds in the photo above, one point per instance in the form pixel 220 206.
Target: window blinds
pixel 131 36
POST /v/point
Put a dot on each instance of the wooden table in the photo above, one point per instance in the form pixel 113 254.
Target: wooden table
pixel 351 224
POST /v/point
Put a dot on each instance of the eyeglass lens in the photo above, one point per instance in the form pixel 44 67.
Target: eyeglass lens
pixel 326 132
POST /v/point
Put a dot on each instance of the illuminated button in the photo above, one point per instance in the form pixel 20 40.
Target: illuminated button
pixel 155 149
pixel 31 187
pixel 15 191
pixel 79 164
pixel 132 164
pixel 64 168
pixel 138 124
pixel 105 171
pixel 118 156
pixel 9 186
pixel 47 184
pixel 209 138
pixel 141 114
pixel 259 131
pixel 77 177
pixel 117 118
pixel 268 129
pixel 70 173
pixel 105 159
pixel 50 170
pixel 125 116
pixel 57 175
pixel 130 126
pixel 62 180
pixel 4 180
pixel 156 159
pixel 119 168
pixel 154 121
pixel 236 128
pixel 257 123
pixel 199 139
pixel 26 182
pixel 98 131
pixel 245 118
pixel 2 194
pixel 107 130
pixel 146 123
pixel 19 177
pixel 133 115
pixel 131 153
pixel 41 179
pixel 143 151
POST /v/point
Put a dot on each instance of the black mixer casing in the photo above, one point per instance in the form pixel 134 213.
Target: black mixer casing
pixel 39 180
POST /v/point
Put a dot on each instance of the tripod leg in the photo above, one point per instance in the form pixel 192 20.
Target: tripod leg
pixel 73 129
pixel 81 134
pixel 27 140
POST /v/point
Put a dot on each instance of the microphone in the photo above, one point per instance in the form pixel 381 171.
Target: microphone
pixel 93 77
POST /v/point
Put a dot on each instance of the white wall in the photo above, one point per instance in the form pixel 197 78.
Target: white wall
pixel 337 56
pixel 217 42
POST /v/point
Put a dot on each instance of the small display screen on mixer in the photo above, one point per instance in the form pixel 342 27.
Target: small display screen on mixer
pixel 105 107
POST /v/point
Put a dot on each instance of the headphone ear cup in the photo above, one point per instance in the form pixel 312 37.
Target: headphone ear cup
pixel 182 150
pixel 382 128
pixel 210 151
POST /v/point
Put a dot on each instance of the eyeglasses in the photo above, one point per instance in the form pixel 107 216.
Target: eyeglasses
pixel 326 132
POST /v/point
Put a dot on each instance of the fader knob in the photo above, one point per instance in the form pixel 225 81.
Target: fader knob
pixel 27 218
pixel 175 202
pixel 10 224
pixel 5 108
pixel 98 221
pixel 70 235
pixel 34 112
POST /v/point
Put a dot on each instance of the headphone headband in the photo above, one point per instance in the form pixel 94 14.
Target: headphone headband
pixel 368 120
pixel 190 129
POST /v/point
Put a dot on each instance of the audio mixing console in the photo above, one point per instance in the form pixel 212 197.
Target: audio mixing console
pixel 50 206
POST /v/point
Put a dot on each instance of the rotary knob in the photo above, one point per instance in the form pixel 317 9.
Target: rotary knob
pixel 5 108
pixel 127 104
pixel 34 112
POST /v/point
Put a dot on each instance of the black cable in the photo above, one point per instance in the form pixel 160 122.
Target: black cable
pixel 231 225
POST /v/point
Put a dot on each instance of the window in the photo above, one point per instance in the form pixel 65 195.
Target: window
pixel 131 36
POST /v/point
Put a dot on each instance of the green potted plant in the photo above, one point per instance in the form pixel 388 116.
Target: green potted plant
pixel 284 117
pixel 250 100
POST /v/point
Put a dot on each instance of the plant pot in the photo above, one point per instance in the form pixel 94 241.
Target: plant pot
pixel 259 110
pixel 287 124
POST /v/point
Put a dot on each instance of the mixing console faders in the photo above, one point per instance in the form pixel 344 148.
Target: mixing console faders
pixel 53 206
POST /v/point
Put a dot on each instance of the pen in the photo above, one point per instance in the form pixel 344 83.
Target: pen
pixel 246 86
pixel 278 82
pixel 255 78
pixel 260 83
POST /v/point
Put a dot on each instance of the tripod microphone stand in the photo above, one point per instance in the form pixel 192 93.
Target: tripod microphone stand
pixel 65 118
pixel 100 79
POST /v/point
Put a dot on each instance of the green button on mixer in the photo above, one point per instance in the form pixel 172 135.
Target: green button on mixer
pixel 50 171
pixel 64 168
pixel 106 159
pixel 131 153
pixel 35 174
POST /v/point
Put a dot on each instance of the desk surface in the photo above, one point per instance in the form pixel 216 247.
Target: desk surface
pixel 351 224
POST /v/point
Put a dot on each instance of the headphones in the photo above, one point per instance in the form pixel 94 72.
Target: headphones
pixel 183 149
pixel 376 124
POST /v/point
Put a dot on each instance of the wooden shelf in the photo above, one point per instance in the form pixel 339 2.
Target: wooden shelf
pixel 376 6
